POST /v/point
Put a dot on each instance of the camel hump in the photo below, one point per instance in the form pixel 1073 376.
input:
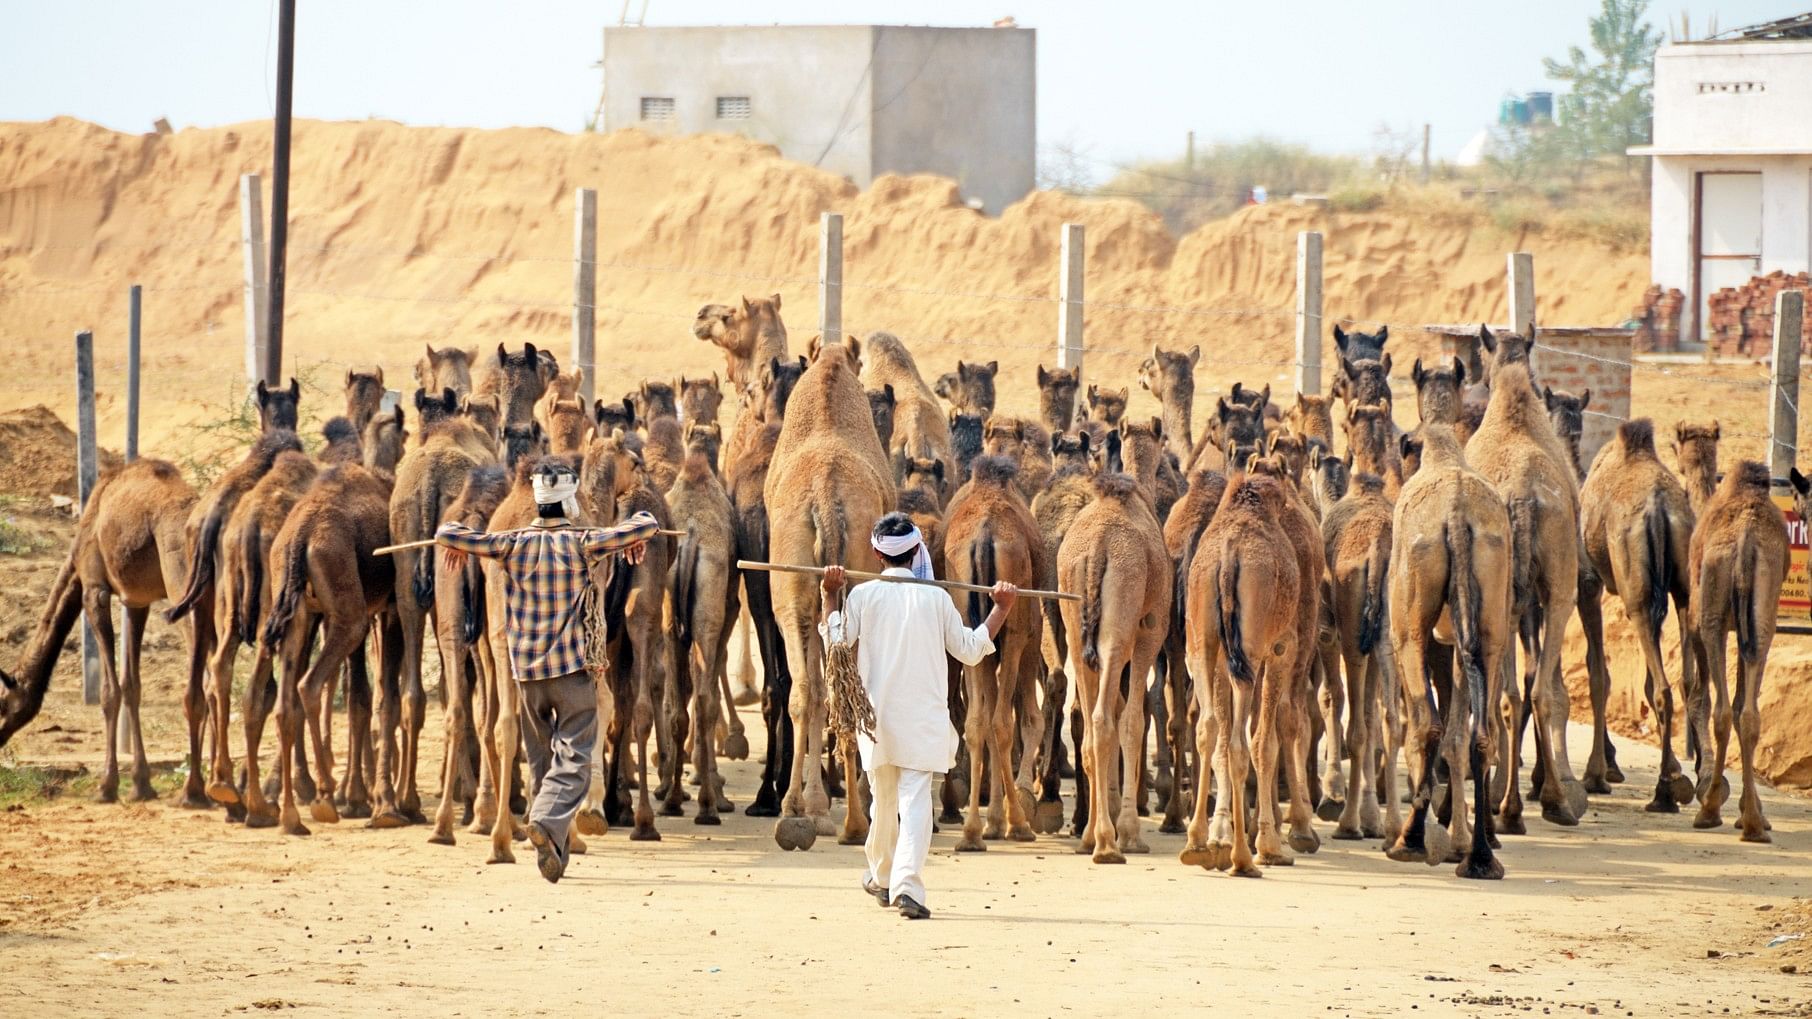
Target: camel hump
pixel 1637 436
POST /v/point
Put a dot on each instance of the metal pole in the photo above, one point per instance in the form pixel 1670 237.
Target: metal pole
pixel 85 477
pixel 1069 300
pixel 830 277
pixel 1308 312
pixel 1520 273
pixel 585 290
pixel 272 369
pixel 251 239
pixel 1783 388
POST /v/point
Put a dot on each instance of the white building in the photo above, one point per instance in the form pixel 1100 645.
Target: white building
pixel 1732 161
pixel 859 100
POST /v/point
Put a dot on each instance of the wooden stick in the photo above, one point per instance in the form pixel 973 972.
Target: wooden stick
pixel 948 585
pixel 425 542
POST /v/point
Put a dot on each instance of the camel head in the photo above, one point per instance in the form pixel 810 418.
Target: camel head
pixel 567 423
pixel 279 408
pixel 1505 348
pixel 342 441
pixel 1293 448
pixel 1361 346
pixel 1235 424
pixel 1567 413
pixel 1107 405
pixel 484 414
pixel 1056 397
pixel 945 389
pixel 1170 375
pixel 1141 448
pixel 432 410
pixel 715 324
pixel 520 379
pixel 700 398
pixel 880 407
pixel 446 368
pixel 523 444
pixel 965 440
pixel 1002 435
pixel 384 439
pixel 1272 466
pixel 1257 399
pixel 1365 381
pixel 924 474
pixel 565 385
pixel 778 379
pixel 1409 450
pixel 1802 493
pixel 364 395
pixel 1439 390
pixel 1070 451
pixel 1328 476
pixel 705 438
pixel 654 399
pixel 1368 431
pixel 1696 453
pixel 1311 417
pixel 850 350
pixel 975 385
pixel 608 470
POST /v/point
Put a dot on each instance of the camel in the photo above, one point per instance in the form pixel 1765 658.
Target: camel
pixel 364 396
pixel 707 440
pixel 446 368
pixel 1170 376
pixel 384 440
pixel 1183 529
pixel 1237 431
pixel 750 335
pixel 656 407
pixel 1360 346
pixel 1107 406
pixel 1738 561
pixel 1515 449
pixel 1356 531
pixel 1696 453
pixel 704 603
pixel 974 390
pixel 990 537
pixel 1294 450
pixel 965 442
pixel 828 483
pixel 920 428
pixel 566 423
pixel 1057 398
pixel 608 417
pixel 564 386
pixel 1312 417
pixel 340 442
pixel 1566 413
pixel 1259 400
pixel 1638 530
pixel 1371 446
pixel 1114 555
pixel 325 577
pixel 211 511
pixel 130 543
pixel 1241 612
pixel 1451 579
pixel 1027 445
pixel 881 405
pixel 1071 488
pixel 517 381
pixel 700 399
pixel 1330 478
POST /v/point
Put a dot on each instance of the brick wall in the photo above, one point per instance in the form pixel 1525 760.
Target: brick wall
pixel 1572 359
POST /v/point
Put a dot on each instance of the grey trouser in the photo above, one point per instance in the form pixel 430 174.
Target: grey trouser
pixel 559 728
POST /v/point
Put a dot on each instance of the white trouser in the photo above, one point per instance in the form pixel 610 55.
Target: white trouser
pixel 899 830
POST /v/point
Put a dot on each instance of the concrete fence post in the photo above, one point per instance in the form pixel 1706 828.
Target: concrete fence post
pixel 251 237
pixel 830 278
pixel 585 291
pixel 1783 386
pixel 1308 312
pixel 1069 300
pixel 86 472
pixel 1520 279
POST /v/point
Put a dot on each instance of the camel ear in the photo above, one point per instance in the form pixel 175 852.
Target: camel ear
pixel 959 368
pixel 1340 340
pixel 993 367
pixel 1383 336
pixel 1405 445
pixel 533 355
pixel 421 397
pixel 1384 360
pixel 503 356
pixel 1155 353
pixel 1346 367
pixel 349 378
pixel 1264 396
pixel 1459 371
pixel 1251 462
pixel 748 306
pixel 937 471
pixel 776 299
pixel 295 388
pixel 812 347
pixel 1084 436
pixel 1487 339
pixel 888 389
pixel 597 411
pixel 1157 429
pixel 1547 397
pixel 1801 483
pixel 855 352
pixel 1585 399
pixel 264 393
pixel 429 347
pixel 1044 377
pixel 1416 374
pixel 379 372
pixel 465 404
pixel 1195 355
pixel 1125 393
pixel 1056 443
pixel 1220 408
pixel 1093 390
pixel 1717 431
pixel 1315 457
pixel 954 414
pixel 399 415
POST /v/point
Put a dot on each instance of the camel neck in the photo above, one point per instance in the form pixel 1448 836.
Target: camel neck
pixel 1178 433
pixel 1056 415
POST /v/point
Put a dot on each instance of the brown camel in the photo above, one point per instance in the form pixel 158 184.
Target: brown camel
pixel 1241 613
pixel 1515 449
pixel 608 417
pixel 1071 488
pixel 564 386
pixel 1638 531
pixel 656 406
pixel 704 604
pixel 325 577
pixel 340 442
pixel 707 440
pixel 1361 346
pixel 1183 529
pixel 1027 445
pixel 1170 376
pixel 1451 567
pixel 517 381
pixel 1363 381
pixel 1237 431
pixel 1738 561
pixel 920 428
pixel 970 388
pixel 965 442
pixel 992 537
pixel 384 440
pixel 1114 556
pixel 1330 478
pixel 1696 453
pixel 750 335
pixel 828 483
pixel 700 399
pixel 1356 531
pixel 364 396
pixel 446 368
pixel 1371 446
pixel 130 543
pixel 1057 398
pixel 1312 417
pixel 1107 406
pixel 881 407
pixel 566 422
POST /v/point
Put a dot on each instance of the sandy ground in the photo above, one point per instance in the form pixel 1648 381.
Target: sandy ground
pixel 178 913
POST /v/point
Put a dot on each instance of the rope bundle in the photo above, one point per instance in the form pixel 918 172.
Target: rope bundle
pixel 851 712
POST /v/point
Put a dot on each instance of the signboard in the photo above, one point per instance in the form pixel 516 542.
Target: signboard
pixel 1795 604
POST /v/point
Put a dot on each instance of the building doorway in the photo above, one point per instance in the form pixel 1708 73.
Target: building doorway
pixel 1728 232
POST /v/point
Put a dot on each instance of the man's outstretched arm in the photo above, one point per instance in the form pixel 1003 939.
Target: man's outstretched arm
pixel 470 540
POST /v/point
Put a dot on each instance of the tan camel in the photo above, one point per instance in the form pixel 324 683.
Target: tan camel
pixel 385 438
pixel 1107 406
pixel 517 381
pixel 828 484
pixel 1363 381
pixel 566 422
pixel 1241 612
pixel 564 386
pixel 707 440
pixel 881 407
pixel 1738 562
pixel 324 576
pixel 970 388
pixel 1312 417
pixel 704 604
pixel 1114 555
pixel 1071 488
pixel 131 544
pixel 1371 446
pixel 1330 478
pixel 1638 531
pixel 446 368
pixel 1025 443
pixel 1696 453
pixel 340 442
pixel 1356 531
pixel 364 396
pixel 920 428
pixel 750 335
pixel 1236 431
pixel 1452 550
pixel 1183 530
pixel 209 515
pixel 1170 376
pixel 1515 449
pixel 1057 398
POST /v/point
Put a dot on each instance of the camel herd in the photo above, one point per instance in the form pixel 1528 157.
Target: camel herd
pixel 1288 599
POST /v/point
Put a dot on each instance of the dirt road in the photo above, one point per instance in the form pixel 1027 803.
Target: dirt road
pixel 159 911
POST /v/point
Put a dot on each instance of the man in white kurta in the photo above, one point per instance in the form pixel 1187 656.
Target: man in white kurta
pixel 903 633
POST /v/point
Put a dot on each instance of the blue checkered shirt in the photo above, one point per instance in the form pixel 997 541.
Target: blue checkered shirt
pixel 545 573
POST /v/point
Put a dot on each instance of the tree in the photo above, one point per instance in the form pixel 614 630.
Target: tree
pixel 1612 100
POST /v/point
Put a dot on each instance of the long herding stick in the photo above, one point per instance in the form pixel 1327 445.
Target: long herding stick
pixel 948 585
pixel 425 542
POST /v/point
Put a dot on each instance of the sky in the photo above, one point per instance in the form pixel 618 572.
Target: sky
pixel 1120 81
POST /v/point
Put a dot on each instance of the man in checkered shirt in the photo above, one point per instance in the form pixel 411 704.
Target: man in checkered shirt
pixel 545 569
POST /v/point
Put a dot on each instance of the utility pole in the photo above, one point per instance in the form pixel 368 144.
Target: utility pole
pixel 1189 155
pixel 286 72
pixel 1424 153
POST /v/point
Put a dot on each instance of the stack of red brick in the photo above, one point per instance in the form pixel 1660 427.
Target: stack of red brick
pixel 1741 319
pixel 1658 321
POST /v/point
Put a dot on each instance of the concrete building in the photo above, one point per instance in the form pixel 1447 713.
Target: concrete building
pixel 859 100
pixel 1732 161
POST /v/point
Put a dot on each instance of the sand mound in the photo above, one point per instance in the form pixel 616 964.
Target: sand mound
pixel 38 454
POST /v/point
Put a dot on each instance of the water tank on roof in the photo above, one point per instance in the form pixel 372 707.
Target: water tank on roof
pixel 1506 111
pixel 1541 107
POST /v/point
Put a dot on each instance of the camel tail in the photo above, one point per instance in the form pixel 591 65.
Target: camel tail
pixel 1226 618
pixel 1661 566
pixel 982 571
pixel 292 577
pixel 1523 549
pixel 1742 598
pixel 1091 610
pixel 1371 610
pixel 201 565
pixel 22 696
pixel 685 588
pixel 423 578
pixel 1463 598
pixel 251 582
pixel 833 534
pixel 471 608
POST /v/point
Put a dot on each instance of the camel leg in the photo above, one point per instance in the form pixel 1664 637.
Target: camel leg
pixel 1177 734
pixel 641 723
pixel 1235 789
pixel 387 812
pixel 776 700
pixel 253 710
pixel 980 686
pixel 1711 805
pixel 1331 700
pixel 1294 733
pixel 358 730
pixel 220 691
pixel 1478 863
pixel 128 686
pixel 1197 849
pixel 484 804
pixel 675 715
pixel 998 721
pixel 455 681
pixel 1157 721
pixel 745 692
pixel 1753 822
pixel 1083 820
pixel 1360 673
pixel 507 736
pixel 1671 781
pixel 735 737
pixel 1131 731
pixel 805 796
pixel 1030 728
pixel 289 723
pixel 414 702
pixel 1413 843
pixel 1272 684
pixel 195 703
pixel 1563 797
pixel 1510 812
pixel 707 663
pixel 1047 814
pixel 338 640
pixel 1598 678
pixel 1108 781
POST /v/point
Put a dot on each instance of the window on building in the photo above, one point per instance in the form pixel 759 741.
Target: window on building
pixel 733 108
pixel 657 108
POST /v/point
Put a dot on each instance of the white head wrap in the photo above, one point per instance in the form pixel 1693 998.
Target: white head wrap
pixel 896 545
pixel 557 486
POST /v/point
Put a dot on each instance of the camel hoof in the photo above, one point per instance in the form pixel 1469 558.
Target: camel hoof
pixel 195 799
pixel 1703 820
pixel 1109 856
pixel 438 839
pixel 1329 809
pixel 235 813
pixel 672 809
pixel 323 811
pixel 971 844
pixel 108 792
pixel 1047 818
pixel 1022 833
pixel 1246 870
pixel 1134 846
pixel 823 825
pixel 223 793
pixel 1406 854
pixel 356 809
pixel 1197 856
pixel 266 818
pixel 708 819
pixel 1488 869
pixel 1560 814
pixel 1759 835
pixel 414 815
pixel 1277 859
pixel 1344 834
pixel 1511 824
pixel 501 856
pixel 644 833
pixel 590 821
pixel 795 833
pixel 387 819
pixel 1170 827
pixel 1683 790
pixel 1613 774
pixel 744 696
pixel 760 809
pixel 294 826
pixel 1306 842
pixel 736 747
pixel 1575 793
pixel 1597 786
pixel 575 844
pixel 949 817
pixel 852 837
